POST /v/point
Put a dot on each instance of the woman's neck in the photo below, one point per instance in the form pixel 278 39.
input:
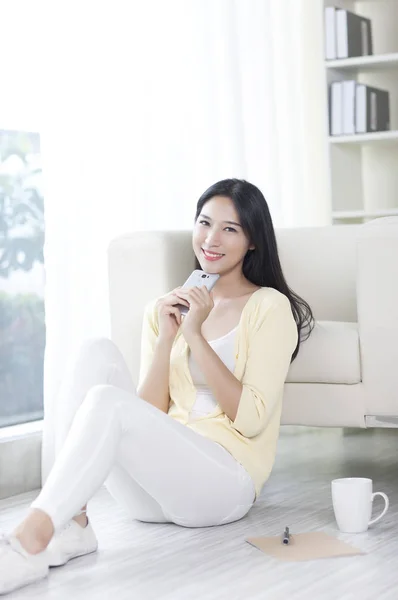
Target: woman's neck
pixel 232 285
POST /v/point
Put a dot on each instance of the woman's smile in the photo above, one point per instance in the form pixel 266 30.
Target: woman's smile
pixel 211 256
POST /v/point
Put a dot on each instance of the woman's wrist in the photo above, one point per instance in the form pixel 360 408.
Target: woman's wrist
pixel 165 342
pixel 194 337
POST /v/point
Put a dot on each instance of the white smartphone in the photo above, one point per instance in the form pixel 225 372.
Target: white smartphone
pixel 196 279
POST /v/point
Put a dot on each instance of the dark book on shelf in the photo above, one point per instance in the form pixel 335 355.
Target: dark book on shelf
pixel 354 35
pixel 372 109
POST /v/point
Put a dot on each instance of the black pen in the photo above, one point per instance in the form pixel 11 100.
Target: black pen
pixel 286 536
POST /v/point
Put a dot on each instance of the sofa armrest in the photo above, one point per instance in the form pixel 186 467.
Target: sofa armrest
pixel 143 266
pixel 377 304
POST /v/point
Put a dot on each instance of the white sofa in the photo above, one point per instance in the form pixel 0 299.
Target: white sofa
pixel 346 373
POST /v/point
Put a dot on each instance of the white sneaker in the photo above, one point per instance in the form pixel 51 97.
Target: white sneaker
pixel 70 542
pixel 17 567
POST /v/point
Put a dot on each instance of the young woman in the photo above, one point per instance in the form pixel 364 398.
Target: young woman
pixel 196 442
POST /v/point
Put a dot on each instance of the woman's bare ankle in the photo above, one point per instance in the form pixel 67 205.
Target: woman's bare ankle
pixel 81 519
pixel 35 531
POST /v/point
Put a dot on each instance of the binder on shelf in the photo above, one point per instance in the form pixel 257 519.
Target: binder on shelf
pixel 372 109
pixel 349 89
pixel 354 34
pixel 330 33
pixel 336 108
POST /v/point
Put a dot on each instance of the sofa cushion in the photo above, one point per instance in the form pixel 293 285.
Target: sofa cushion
pixel 330 355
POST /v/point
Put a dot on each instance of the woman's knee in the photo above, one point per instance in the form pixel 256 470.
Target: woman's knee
pixel 94 356
pixel 101 397
pixel 96 348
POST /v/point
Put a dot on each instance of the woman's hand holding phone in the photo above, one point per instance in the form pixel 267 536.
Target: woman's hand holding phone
pixel 172 306
pixel 169 315
pixel 200 305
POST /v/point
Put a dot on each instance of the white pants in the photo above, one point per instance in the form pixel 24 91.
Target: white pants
pixel 159 470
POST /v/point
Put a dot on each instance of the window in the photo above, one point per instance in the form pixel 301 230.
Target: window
pixel 22 326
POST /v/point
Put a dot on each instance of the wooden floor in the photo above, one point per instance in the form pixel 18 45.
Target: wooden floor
pixel 166 562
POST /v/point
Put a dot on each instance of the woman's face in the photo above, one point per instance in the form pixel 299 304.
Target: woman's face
pixel 218 240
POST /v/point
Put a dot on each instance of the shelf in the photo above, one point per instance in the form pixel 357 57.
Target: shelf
pixel 360 214
pixel 362 167
pixel 365 138
pixel 375 62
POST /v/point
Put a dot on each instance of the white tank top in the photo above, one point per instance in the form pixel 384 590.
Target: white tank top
pixel 205 402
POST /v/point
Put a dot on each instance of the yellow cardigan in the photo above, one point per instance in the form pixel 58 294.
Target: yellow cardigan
pixel 267 337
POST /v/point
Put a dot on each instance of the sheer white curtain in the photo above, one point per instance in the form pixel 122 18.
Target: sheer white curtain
pixel 147 103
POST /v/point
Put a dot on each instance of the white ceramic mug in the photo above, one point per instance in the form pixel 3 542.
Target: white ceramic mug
pixel 352 503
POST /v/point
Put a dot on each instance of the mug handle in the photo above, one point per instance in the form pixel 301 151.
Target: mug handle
pixel 385 508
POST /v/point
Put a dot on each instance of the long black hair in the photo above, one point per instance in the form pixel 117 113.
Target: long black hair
pixel 261 266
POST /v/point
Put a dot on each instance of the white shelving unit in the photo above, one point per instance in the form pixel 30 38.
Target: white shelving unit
pixel 364 167
pixel 384 137
pixel 362 214
pixel 381 62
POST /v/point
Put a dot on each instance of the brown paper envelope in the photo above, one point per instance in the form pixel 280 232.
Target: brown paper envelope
pixel 304 546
